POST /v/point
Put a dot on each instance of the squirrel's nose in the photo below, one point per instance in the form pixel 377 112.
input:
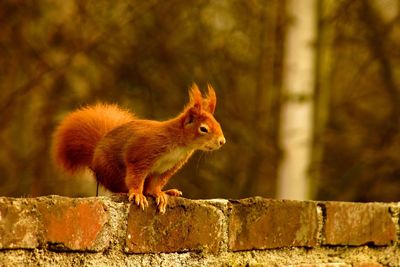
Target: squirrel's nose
pixel 221 141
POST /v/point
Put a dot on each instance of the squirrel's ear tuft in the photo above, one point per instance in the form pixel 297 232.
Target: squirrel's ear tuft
pixel 195 97
pixel 211 100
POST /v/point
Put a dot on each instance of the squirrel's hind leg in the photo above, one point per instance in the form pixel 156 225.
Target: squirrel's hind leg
pixel 173 192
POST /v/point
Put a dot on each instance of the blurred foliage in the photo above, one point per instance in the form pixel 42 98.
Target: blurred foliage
pixel 59 55
pixel 362 139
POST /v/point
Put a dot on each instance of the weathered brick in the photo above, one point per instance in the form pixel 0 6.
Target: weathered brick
pixel 19 227
pixel 339 264
pixel 358 224
pixel 74 224
pixel 186 225
pixel 367 264
pixel 258 223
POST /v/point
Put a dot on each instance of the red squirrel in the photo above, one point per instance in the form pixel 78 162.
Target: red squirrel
pixel 137 156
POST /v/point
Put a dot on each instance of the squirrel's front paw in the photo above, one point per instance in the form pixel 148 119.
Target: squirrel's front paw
pixel 162 198
pixel 161 201
pixel 139 199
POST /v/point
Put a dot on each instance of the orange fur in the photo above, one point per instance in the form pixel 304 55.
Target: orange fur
pixel 76 137
pixel 133 155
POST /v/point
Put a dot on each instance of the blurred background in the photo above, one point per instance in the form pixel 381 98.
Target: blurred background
pixel 308 91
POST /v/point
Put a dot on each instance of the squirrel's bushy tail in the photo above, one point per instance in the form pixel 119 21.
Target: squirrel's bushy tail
pixel 75 139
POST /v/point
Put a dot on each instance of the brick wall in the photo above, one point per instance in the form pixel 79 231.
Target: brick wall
pixel 102 231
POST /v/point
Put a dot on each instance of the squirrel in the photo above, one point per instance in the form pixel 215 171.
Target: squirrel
pixel 132 155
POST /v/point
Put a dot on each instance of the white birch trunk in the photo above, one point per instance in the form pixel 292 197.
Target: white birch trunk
pixel 297 108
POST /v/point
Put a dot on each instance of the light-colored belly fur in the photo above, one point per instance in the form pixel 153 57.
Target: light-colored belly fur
pixel 169 160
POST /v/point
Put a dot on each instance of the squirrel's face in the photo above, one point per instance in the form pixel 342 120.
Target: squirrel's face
pixel 201 128
pixel 205 133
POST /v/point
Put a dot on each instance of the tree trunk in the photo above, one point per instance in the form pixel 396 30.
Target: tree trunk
pixel 297 108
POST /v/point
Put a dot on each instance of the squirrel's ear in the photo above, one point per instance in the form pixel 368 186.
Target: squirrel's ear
pixel 211 100
pixel 195 98
pixel 190 116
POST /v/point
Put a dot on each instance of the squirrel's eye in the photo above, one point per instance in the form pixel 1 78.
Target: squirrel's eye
pixel 203 129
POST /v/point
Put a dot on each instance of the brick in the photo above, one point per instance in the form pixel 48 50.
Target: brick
pixel 74 224
pixel 358 224
pixel 258 223
pixel 339 264
pixel 185 226
pixel 19 226
pixel 367 264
